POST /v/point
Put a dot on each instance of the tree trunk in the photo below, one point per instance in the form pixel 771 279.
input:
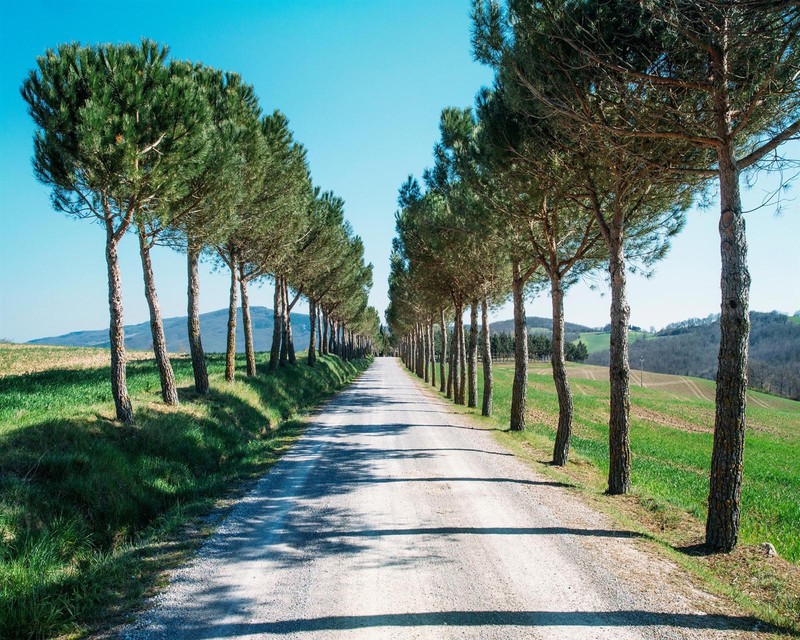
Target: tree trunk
pixel 312 336
pixel 193 321
pixel 169 391
pixel 462 361
pixel 116 332
pixel 432 341
pixel 277 328
pixel 247 324
pixel 324 344
pixel 472 361
pixel 284 324
pixel 486 408
pixel 619 467
pixel 230 351
pixel 520 387
pixel 451 361
pixel 289 336
pixel 564 431
pixel 727 459
pixel 319 331
pixel 423 331
pixel 443 360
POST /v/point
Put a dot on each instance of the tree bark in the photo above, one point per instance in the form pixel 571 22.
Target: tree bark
pixel 230 351
pixel 727 459
pixel 247 324
pixel 423 330
pixel 312 336
pixel 284 324
pixel 619 467
pixel 443 355
pixel 193 322
pixel 289 336
pixel 520 386
pixel 486 407
pixel 462 360
pixel 472 360
pixel 432 342
pixel 451 361
pixel 319 330
pixel 324 343
pixel 116 332
pixel 169 390
pixel 277 328
pixel 564 431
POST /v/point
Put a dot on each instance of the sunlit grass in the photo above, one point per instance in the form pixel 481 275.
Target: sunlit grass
pixel 84 500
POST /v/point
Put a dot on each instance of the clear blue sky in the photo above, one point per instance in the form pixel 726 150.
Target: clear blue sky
pixel 362 83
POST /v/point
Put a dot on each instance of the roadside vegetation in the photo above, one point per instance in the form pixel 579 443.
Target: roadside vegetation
pixel 671 441
pixel 92 511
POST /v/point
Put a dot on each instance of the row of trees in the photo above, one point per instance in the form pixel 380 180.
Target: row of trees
pixel 539 347
pixel 606 120
pixel 182 155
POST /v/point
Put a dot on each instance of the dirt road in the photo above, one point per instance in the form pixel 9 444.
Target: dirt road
pixel 394 518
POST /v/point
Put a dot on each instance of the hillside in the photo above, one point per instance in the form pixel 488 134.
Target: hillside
pixel 537 324
pixel 690 348
pixel 214 326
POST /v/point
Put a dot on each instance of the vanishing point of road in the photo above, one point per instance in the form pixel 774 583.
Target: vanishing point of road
pixel 395 517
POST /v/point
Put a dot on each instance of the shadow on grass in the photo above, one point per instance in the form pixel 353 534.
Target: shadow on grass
pixel 83 499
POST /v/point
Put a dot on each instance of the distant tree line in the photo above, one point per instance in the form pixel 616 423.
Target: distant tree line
pixel 605 121
pixel 180 154
pixel 540 347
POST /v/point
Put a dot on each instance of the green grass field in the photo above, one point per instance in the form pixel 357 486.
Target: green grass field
pixel 671 440
pixel 596 341
pixel 88 507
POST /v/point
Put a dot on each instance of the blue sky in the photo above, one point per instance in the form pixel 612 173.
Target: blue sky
pixel 362 83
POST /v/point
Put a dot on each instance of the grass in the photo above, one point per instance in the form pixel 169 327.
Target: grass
pixel 92 511
pixel 671 440
pixel 599 341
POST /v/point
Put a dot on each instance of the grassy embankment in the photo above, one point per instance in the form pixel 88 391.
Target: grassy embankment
pixel 671 438
pixel 91 511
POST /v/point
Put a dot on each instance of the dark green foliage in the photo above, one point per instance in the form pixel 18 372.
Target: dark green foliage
pixel 83 500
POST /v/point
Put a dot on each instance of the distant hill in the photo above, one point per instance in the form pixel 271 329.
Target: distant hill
pixel 689 348
pixel 214 327
pixel 538 324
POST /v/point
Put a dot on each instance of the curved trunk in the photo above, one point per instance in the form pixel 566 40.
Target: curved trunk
pixel 564 431
pixel 312 335
pixel 193 322
pixel 727 459
pixel 472 360
pixel 443 355
pixel 486 341
pixel 169 391
pixel 116 332
pixel 277 329
pixel 247 324
pixel 230 351
pixel 619 467
pixel 520 387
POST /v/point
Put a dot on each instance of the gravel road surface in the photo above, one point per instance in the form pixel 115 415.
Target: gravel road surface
pixel 393 517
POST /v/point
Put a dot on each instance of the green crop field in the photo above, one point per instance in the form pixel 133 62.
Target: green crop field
pixel 599 341
pixel 671 438
pixel 89 508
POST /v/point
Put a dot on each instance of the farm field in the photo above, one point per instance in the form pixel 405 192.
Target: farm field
pixel 671 438
pixel 599 341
